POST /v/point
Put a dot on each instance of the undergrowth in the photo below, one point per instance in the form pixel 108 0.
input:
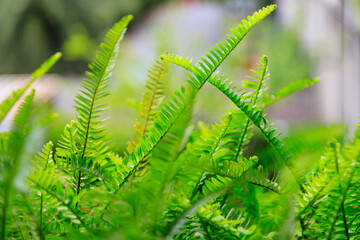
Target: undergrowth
pixel 174 181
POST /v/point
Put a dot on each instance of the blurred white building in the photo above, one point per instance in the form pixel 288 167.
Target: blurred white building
pixel 330 30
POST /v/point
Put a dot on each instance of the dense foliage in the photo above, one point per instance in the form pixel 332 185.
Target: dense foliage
pixel 174 181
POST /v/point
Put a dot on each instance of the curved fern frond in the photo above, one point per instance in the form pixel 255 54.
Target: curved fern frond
pixel 254 97
pixel 266 184
pixel 21 125
pixel 170 111
pixel 10 101
pixel 216 55
pixel 287 90
pixel 229 169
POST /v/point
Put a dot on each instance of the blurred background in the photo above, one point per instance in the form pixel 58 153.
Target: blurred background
pixel 303 39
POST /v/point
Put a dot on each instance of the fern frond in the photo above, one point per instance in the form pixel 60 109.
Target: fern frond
pixel 23 113
pixel 205 148
pixel 90 102
pixel 217 224
pixel 327 199
pixel 216 55
pixel 287 90
pixel 185 63
pixel 256 84
pixel 150 101
pixel 181 220
pixel 10 101
pixel 13 161
pixel 4 142
pixel 83 141
pixel 229 169
pixel 49 183
pixel 45 156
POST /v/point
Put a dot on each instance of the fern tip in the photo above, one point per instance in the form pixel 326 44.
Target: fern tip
pixel 57 55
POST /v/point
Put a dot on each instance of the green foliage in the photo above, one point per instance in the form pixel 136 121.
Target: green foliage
pixel 9 102
pixel 176 181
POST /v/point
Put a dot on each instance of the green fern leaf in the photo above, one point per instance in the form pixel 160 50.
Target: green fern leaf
pixel 45 157
pixel 150 101
pixel 287 90
pixel 82 142
pixel 9 102
pixel 49 183
pixel 90 102
pixel 257 118
pixel 12 161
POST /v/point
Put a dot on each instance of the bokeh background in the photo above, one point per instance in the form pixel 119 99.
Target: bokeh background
pixel 303 39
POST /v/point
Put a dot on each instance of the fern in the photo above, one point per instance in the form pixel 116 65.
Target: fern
pixel 169 112
pixel 292 87
pixel 90 102
pixel 150 101
pixel 12 160
pixel 9 102
pixel 186 181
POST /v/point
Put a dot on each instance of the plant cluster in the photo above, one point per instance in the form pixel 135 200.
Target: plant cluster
pixel 174 181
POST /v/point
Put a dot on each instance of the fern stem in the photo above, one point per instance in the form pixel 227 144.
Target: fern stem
pixel 345 221
pixel 263 186
pixel 78 185
pixel 242 140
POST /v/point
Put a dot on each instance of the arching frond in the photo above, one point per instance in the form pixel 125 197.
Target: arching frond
pixel 10 101
pixel 287 90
